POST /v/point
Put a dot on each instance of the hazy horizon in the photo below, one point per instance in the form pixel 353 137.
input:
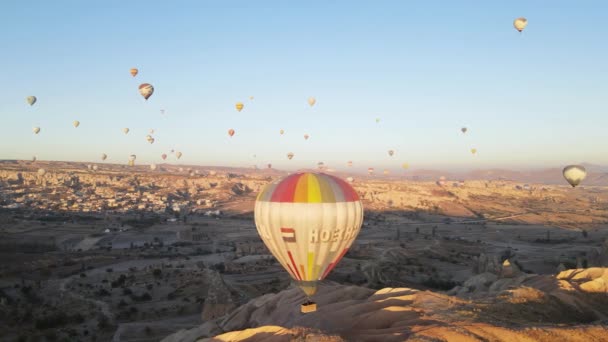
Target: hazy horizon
pixel 530 101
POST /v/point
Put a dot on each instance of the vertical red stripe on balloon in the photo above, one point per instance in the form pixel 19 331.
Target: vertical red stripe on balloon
pixel 294 265
pixel 284 192
pixel 333 264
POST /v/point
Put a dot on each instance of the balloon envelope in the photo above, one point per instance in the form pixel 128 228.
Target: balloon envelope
pixel 104 156
pixel 239 106
pixel 231 132
pixel 520 23
pixel 391 152
pixel 134 72
pixel 178 154
pixel 76 123
pixel 146 90
pixel 463 129
pixel 164 156
pixel 125 130
pixel 312 101
pixel 308 221
pixel 289 155
pixel 31 100
pixel 574 174
pixel 36 130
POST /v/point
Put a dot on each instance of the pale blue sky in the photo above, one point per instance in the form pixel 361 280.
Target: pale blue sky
pixel 426 68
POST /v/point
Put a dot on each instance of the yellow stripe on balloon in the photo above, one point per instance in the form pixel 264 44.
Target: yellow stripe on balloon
pixel 311 260
pixel 314 189
pixel 303 273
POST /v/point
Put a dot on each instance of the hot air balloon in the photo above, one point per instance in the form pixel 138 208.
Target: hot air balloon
pixel 95 168
pixel 41 172
pixel 370 170
pixel 520 23
pixel 76 123
pixel 146 90
pixel 134 72
pixel 33 159
pixel 308 221
pixel 89 166
pixel 321 165
pixel 181 169
pixel 151 130
pixel 212 173
pixel 391 152
pixel 349 163
pixel 386 172
pixel 31 100
pixel 289 155
pixel 306 136
pixel 231 132
pixel 473 151
pixel 312 101
pixel 132 160
pixel 281 131
pixel 178 155
pixel 269 166
pixel 239 106
pixel 151 140
pixel 405 165
pixel 463 129
pixel 152 167
pixel 36 130
pixel 104 156
pixel 574 174
pixel 125 130
pixel 350 179
pixel 164 156
pixel 251 98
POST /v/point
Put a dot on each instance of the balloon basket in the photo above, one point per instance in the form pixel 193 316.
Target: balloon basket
pixel 308 307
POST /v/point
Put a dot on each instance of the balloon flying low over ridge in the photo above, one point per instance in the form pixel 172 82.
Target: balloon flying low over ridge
pixel 308 221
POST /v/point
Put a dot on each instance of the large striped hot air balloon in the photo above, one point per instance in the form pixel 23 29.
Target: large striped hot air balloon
pixel 308 221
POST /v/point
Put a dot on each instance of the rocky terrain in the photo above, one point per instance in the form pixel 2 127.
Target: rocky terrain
pixel 569 306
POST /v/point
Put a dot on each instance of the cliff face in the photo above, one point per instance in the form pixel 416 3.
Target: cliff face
pixel 569 306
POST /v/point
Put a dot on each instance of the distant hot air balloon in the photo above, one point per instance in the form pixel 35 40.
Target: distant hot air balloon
pixel 405 165
pixel 36 130
pixel 76 123
pixel 520 23
pixel 151 140
pixel 574 174
pixel 391 152
pixel 370 170
pixel 33 159
pixel 152 167
pixel 321 165
pixel 270 166
pixel 251 98
pixel 386 172
pixel 146 90
pixel 289 155
pixel 308 221
pixel 31 100
pixel 132 160
pixel 473 151
pixel 349 163
pixel 104 156
pixel 239 106
pixel 463 129
pixel 95 167
pixel 231 132
pixel 164 156
pixel 125 130
pixel 181 169
pixel 306 136
pixel 134 72
pixel 41 172
pixel 281 131
pixel 89 166
pixel 151 131
pixel 350 179
pixel 178 155
pixel 312 101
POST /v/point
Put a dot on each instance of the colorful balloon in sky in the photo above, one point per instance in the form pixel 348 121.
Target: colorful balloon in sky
pixel 146 90
pixel 391 152
pixel 36 130
pixel 104 156
pixel 290 155
pixel 473 151
pixel 231 132
pixel 306 136
pixel 31 100
pixel 463 129
pixel 164 156
pixel 308 221
pixel 134 72
pixel 312 101
pixel 125 130
pixel 178 155
pixel 281 131
pixel 349 163
pixel 574 174
pixel 76 123
pixel 239 106
pixel 520 23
